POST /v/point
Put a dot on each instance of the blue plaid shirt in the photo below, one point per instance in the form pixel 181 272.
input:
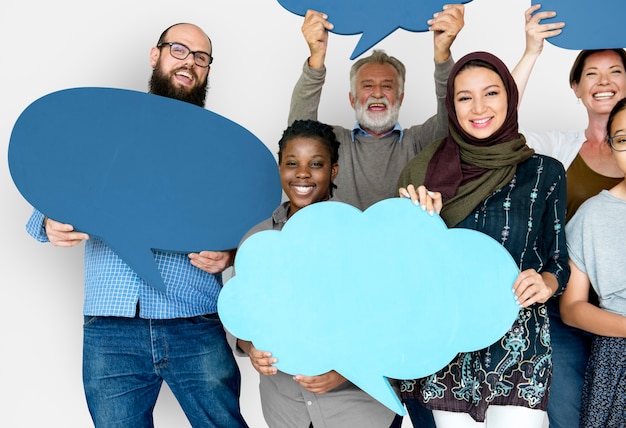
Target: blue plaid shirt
pixel 112 288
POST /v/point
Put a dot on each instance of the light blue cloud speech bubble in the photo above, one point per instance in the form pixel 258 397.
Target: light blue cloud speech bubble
pixel 142 172
pixel 588 25
pixel 389 292
pixel 374 19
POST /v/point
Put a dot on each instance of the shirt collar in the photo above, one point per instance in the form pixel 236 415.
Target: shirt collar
pixel 358 130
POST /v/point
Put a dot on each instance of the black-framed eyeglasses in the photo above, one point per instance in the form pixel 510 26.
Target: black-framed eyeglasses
pixel 180 51
pixel 618 143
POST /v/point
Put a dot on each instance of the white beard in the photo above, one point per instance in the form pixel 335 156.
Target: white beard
pixel 377 122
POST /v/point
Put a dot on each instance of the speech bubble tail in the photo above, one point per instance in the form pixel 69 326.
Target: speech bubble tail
pixel 150 273
pixel 380 389
pixel 141 260
pixel 368 40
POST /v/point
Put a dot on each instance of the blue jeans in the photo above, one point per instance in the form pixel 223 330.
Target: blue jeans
pixel 126 360
pixel 421 417
pixel 570 353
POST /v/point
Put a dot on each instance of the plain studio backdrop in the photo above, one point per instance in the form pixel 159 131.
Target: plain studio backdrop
pixel 259 51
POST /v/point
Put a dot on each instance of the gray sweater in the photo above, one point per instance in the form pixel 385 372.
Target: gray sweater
pixel 369 167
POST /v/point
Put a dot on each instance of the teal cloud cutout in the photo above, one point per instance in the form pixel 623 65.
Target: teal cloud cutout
pixel 374 19
pixel 389 292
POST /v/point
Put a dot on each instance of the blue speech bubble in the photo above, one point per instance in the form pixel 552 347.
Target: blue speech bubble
pixel 375 294
pixel 588 25
pixel 142 172
pixel 375 19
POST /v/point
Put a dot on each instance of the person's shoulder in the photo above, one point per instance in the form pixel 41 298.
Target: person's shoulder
pixel 272 223
pixel 264 225
pixel 554 136
pixel 549 160
pixel 548 163
pixel 344 135
pixel 589 212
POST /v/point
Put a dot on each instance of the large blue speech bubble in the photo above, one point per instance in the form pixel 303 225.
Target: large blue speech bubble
pixel 142 172
pixel 389 292
pixel 375 19
pixel 588 25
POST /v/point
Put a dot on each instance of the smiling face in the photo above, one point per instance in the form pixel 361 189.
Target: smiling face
pixel 375 97
pixel 306 172
pixel 480 101
pixel 602 82
pixel 617 130
pixel 181 79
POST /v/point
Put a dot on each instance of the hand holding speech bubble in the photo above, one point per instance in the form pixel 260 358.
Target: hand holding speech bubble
pixel 374 19
pixel 375 294
pixel 142 172
pixel 588 25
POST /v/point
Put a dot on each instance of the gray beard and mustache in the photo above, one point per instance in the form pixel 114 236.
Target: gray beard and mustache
pixel 160 84
pixel 377 122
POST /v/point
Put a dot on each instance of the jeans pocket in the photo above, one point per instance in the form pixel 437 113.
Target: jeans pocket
pixel 88 320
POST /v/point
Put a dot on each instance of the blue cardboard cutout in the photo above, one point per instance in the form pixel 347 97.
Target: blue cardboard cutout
pixel 389 292
pixel 375 19
pixel 588 25
pixel 142 172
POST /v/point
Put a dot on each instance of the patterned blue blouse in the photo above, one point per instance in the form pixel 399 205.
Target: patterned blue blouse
pixel 527 217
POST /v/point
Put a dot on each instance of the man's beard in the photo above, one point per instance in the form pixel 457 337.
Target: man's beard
pixel 160 84
pixel 377 122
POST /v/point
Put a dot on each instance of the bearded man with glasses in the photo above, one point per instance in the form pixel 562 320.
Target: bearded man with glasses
pixel 136 337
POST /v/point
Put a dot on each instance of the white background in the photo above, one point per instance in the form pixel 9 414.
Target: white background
pixel 259 50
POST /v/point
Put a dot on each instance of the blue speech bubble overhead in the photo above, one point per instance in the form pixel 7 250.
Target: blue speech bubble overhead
pixel 389 292
pixel 588 25
pixel 142 172
pixel 374 19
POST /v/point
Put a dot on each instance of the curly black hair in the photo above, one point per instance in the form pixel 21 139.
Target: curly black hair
pixel 311 129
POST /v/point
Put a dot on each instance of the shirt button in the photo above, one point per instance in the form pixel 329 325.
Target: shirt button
pixel 309 403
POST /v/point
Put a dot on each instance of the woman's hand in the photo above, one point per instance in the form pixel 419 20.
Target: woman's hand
pixel 262 361
pixel 428 201
pixel 531 287
pixel 536 32
pixel 322 383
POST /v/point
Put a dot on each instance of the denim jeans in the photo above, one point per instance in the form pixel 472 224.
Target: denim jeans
pixel 421 417
pixel 570 353
pixel 126 360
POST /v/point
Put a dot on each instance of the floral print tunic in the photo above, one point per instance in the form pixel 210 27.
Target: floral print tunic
pixel 527 218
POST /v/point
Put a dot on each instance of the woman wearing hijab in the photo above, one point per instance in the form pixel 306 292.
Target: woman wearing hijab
pixel 484 177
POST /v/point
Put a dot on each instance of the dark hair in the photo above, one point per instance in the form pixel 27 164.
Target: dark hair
pixel 311 129
pixel 579 63
pixel 621 105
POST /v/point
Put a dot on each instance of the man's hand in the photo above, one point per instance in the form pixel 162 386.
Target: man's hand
pixel 61 234
pixel 315 31
pixel 212 261
pixel 445 26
